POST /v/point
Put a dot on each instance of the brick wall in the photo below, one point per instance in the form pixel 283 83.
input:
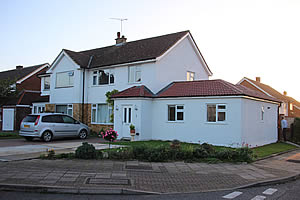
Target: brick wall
pixel 32 83
pixel 20 112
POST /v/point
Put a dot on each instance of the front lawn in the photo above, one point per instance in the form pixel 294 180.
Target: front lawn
pixel 270 149
pixel 9 135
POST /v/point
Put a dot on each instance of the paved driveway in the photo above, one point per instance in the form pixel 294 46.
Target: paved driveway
pixel 20 149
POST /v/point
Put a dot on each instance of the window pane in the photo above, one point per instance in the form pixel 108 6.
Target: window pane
pixel 129 115
pixel 103 77
pixel 94 80
pixel 47 83
pixel 68 120
pixel 111 78
pixel 180 107
pixel 102 113
pixel 65 79
pixel 61 109
pixel 221 107
pixel 93 115
pixel 171 113
pixel 179 115
pixel 138 77
pixel 221 116
pixel 70 112
pixel 211 113
pixel 125 115
pixel 131 74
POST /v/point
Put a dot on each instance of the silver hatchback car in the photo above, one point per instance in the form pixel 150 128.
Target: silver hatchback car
pixel 51 125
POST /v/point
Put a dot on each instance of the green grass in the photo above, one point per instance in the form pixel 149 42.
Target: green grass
pixel 273 148
pixel 9 135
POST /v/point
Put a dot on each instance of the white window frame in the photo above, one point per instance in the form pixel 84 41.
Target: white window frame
pixel 97 74
pixel 95 107
pixel 70 81
pixel 190 76
pixel 133 71
pixel 176 111
pixel 69 108
pixel 217 112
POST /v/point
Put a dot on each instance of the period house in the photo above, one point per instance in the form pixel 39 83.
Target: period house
pixel 28 85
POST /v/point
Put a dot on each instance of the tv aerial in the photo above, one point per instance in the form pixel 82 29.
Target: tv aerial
pixel 121 20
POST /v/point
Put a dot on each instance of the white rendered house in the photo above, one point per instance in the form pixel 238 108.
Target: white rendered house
pixel 79 80
pixel 212 111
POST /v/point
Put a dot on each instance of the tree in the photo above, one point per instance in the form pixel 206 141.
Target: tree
pixel 111 102
pixel 7 89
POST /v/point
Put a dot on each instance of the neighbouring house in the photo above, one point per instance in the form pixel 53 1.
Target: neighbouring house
pixel 28 85
pixel 78 81
pixel 212 111
pixel 290 107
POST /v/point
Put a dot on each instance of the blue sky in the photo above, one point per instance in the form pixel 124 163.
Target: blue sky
pixel 237 37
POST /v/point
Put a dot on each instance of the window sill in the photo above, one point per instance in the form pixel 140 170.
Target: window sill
pixel 174 121
pixel 217 123
pixel 64 87
pixel 102 123
pixel 134 83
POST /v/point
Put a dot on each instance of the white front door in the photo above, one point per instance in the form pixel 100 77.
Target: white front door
pixel 8 119
pixel 126 120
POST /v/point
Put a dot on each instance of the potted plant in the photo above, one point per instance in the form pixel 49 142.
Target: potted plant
pixel 132 129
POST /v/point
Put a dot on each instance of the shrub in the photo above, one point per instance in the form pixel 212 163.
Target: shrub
pixel 175 144
pixel 209 148
pixel 50 153
pixel 85 151
pixel 244 154
pixel 225 154
pixel 200 152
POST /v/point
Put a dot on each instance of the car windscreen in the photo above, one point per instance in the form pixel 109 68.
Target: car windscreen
pixel 30 118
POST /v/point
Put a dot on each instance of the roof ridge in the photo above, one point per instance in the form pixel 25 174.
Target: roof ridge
pixel 187 31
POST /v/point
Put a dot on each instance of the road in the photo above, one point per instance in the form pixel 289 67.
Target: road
pixel 288 191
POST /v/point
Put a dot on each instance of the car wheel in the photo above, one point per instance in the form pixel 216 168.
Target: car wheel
pixel 47 136
pixel 28 138
pixel 83 134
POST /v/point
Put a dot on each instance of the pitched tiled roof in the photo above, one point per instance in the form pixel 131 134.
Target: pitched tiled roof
pixel 272 91
pixel 135 91
pixel 202 88
pixel 139 50
pixel 26 98
pixel 17 74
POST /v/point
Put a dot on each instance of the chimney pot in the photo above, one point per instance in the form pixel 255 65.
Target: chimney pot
pixel 118 34
pixel 19 67
pixel 120 40
pixel 258 79
pixel 284 93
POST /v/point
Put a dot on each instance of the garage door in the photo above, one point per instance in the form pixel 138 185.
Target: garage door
pixel 8 119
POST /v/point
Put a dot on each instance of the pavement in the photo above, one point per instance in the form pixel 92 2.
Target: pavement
pixel 134 177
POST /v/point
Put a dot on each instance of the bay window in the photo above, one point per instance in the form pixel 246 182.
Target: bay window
pixel 47 83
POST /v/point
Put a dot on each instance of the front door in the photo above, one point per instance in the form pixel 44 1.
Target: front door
pixel 126 120
pixel 8 119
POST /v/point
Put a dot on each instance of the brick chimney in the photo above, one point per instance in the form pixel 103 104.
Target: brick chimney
pixel 284 93
pixel 120 40
pixel 18 67
pixel 257 79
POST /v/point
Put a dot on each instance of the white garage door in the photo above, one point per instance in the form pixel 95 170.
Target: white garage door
pixel 8 119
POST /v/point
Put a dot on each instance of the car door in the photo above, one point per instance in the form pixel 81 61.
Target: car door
pixel 70 126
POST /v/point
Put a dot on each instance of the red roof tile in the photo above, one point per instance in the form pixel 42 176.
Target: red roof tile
pixel 135 91
pixel 200 88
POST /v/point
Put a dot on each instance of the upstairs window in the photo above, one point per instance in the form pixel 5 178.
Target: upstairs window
pixel 47 83
pixel 291 106
pixel 190 76
pixel 216 113
pixel 175 113
pixel 103 77
pixel 134 74
pixel 65 79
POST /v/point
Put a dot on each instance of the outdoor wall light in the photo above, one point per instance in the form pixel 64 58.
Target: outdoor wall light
pixel 135 107
pixel 117 107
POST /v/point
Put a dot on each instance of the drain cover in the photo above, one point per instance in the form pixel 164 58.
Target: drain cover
pixel 107 181
pixel 138 167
